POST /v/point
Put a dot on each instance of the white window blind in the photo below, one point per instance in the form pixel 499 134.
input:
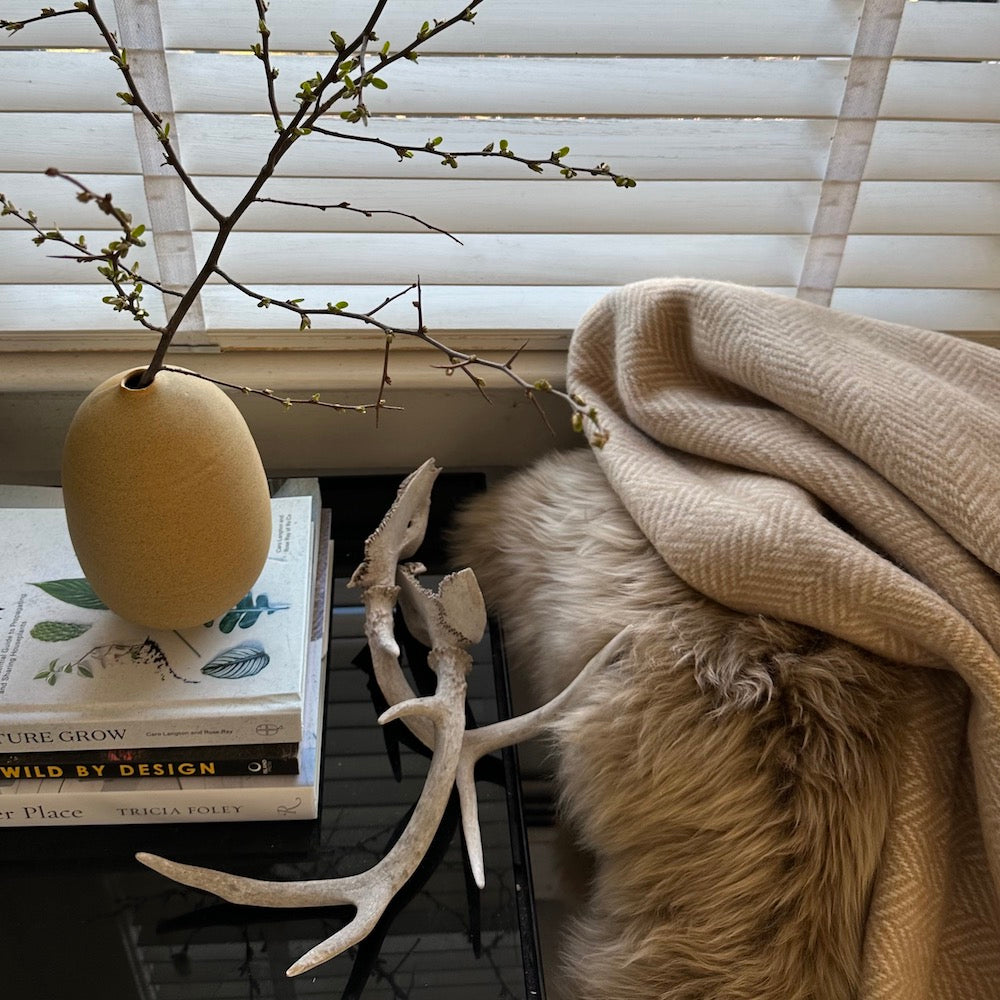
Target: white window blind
pixel 774 144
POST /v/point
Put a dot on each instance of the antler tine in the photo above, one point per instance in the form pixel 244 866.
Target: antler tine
pixel 523 727
pixel 479 742
pixel 400 532
pixel 397 537
pixel 454 615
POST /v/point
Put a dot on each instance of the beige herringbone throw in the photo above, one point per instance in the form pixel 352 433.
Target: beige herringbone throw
pixel 843 473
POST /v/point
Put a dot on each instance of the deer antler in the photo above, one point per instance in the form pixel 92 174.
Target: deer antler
pixel 448 620
pixel 369 892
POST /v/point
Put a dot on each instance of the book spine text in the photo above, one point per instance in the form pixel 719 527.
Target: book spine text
pixel 133 734
pixel 106 808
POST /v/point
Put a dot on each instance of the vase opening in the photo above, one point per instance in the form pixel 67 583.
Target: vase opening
pixel 132 380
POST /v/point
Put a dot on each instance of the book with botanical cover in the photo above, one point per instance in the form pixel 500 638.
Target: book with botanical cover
pixel 75 676
pixel 181 798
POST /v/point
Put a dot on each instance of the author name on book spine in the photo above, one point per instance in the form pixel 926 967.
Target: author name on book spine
pixel 40 812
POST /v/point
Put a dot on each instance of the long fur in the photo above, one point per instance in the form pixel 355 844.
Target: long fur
pixel 731 774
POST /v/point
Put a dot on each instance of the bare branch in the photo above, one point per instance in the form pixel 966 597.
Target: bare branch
pixel 398 295
pixel 366 212
pixel 133 97
pixel 287 401
pixel 538 407
pixel 584 416
pixel 493 150
pixel 262 51
pixel 291 305
pixel 385 379
pixel 47 12
pixel 409 52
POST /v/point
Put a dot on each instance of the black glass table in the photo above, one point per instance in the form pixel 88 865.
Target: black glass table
pixel 79 917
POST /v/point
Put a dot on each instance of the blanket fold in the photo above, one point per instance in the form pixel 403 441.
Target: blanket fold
pixel 841 473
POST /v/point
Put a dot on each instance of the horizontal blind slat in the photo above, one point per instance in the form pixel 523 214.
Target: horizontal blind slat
pixel 912 261
pixel 28 307
pixel 485 258
pixel 68 81
pixel 54 200
pixel 548 206
pixel 709 149
pixel 527 205
pixel 949 31
pixel 505 308
pixel 530 258
pixel 531 204
pixel 948 309
pixel 496 312
pixel 642 27
pixel 646 148
pixel 446 307
pixel 534 86
pixel 487 311
pixel 639 27
pixel 20 260
pixel 942 90
pixel 214 83
pixel 955 151
pixel 71 31
pixel 927 207
pixel 496 259
pixel 81 143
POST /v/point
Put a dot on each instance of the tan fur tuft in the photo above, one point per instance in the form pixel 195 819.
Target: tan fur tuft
pixel 731 774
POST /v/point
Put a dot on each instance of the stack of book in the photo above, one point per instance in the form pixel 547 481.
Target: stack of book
pixel 105 722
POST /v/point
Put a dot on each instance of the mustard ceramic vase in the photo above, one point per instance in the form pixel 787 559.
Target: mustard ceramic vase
pixel 166 499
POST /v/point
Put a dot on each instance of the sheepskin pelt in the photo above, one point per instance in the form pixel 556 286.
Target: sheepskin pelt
pixel 731 774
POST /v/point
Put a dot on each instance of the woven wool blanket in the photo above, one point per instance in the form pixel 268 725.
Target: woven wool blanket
pixel 839 473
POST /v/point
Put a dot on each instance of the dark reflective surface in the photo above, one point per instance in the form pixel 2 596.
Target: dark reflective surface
pixel 80 918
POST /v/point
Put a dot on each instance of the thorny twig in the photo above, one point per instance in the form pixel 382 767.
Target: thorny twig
pixel 288 401
pixel 492 150
pixel 385 380
pixel 263 52
pixel 368 213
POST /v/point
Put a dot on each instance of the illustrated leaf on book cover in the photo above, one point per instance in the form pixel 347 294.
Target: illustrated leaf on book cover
pixel 244 660
pixel 246 613
pixel 77 592
pixel 51 673
pixel 57 631
pixel 114 654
